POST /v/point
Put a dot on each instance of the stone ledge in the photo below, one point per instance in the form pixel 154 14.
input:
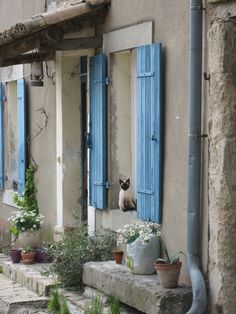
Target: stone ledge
pixel 28 276
pixel 142 292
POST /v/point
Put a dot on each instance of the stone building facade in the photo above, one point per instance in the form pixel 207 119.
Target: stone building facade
pixel 61 152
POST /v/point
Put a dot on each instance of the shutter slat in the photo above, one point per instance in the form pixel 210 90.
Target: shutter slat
pixel 1 139
pixel 21 134
pixel 149 144
pixel 97 173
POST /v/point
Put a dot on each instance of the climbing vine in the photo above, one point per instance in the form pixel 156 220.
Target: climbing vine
pixel 28 202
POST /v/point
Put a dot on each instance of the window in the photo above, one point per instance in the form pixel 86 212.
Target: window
pixel 135 128
pixel 97 127
pixel 149 133
pixel 13 130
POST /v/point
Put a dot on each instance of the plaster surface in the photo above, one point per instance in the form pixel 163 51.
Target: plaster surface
pixel 170 27
pixel 222 166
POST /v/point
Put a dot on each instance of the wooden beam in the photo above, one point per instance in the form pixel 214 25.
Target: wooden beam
pixel 95 3
pixel 76 9
pixel 79 43
pixel 36 40
pixel 28 58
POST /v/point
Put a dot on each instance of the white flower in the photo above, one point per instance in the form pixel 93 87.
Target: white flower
pixel 158 233
pixel 23 229
pixel 132 232
pixel 120 239
pixel 146 238
pixel 34 226
pixel 119 231
pixel 22 220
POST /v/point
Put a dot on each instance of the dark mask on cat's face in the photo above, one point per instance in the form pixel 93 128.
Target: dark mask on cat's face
pixel 124 185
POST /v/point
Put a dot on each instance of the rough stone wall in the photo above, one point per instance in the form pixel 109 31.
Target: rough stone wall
pixel 222 158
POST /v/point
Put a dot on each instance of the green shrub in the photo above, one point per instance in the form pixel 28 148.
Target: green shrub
pixel 57 304
pixel 96 306
pixel 63 306
pixel 53 303
pixel 77 248
pixel 114 304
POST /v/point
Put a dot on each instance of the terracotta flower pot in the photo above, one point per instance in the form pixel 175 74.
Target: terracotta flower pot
pixel 28 258
pixel 168 274
pixel 118 255
pixel 15 255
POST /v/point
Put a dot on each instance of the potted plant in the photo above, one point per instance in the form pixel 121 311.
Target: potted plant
pixel 168 269
pixel 27 255
pixel 26 222
pixel 15 255
pixel 143 246
pixel 118 256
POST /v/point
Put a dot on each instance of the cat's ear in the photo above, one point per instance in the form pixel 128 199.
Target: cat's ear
pixel 120 181
pixel 127 181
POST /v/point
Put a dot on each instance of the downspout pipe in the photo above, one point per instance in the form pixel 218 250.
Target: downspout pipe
pixel 194 159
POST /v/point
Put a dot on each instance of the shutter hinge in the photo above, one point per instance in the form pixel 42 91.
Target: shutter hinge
pixel 108 81
pixel 108 185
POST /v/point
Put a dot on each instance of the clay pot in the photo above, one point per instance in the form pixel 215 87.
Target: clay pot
pixel 118 255
pixel 41 256
pixel 15 255
pixel 168 274
pixel 28 258
pixel 29 238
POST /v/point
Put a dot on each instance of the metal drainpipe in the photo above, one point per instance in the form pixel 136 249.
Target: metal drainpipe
pixel 194 159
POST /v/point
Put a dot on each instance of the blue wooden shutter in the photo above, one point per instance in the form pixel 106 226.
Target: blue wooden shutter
pixel 149 138
pixel 97 160
pixel 1 140
pixel 21 134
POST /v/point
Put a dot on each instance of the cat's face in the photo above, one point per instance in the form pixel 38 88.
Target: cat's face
pixel 124 185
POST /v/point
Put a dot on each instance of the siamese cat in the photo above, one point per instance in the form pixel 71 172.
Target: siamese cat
pixel 126 196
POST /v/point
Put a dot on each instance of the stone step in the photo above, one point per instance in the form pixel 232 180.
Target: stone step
pixel 16 299
pixel 77 301
pixel 28 276
pixel 142 292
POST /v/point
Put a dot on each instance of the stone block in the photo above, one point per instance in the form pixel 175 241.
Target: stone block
pixel 28 275
pixel 15 299
pixel 142 292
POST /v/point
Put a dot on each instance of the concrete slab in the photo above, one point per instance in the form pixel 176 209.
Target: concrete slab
pixel 142 292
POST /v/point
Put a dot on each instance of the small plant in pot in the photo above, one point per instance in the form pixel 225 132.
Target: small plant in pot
pixel 168 269
pixel 143 245
pixel 27 255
